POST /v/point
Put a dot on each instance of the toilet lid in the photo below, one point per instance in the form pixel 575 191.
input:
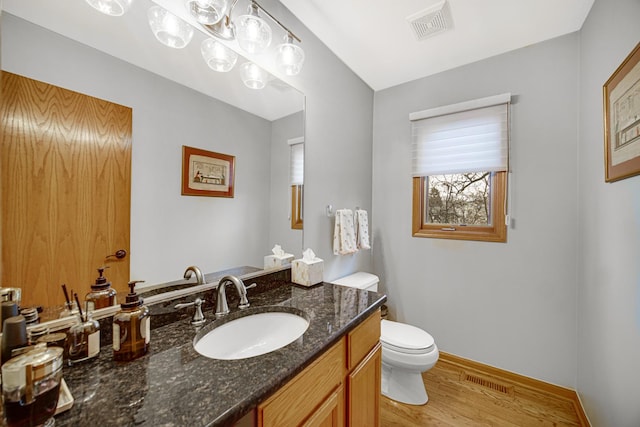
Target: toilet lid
pixel 403 337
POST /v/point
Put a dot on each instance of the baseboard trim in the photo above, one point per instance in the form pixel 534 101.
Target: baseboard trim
pixel 520 380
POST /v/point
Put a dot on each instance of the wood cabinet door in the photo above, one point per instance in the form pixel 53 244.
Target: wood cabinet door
pixel 364 391
pixel 301 397
pixel 65 177
pixel 330 413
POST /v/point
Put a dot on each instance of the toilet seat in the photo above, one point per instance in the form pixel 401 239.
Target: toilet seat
pixel 405 338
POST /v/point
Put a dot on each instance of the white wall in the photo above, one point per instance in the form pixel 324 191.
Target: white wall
pixel 609 258
pixel 168 231
pixel 511 305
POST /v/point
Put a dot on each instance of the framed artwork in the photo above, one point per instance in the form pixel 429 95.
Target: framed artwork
pixel 621 95
pixel 205 173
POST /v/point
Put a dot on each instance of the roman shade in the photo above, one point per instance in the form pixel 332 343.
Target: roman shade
pixel 296 161
pixel 467 137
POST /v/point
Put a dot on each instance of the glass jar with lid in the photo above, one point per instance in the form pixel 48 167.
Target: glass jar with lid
pixel 31 385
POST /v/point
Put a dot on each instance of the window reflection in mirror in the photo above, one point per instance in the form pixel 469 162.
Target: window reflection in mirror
pixel 296 178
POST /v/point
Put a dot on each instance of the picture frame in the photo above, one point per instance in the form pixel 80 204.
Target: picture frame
pixel 621 97
pixel 206 173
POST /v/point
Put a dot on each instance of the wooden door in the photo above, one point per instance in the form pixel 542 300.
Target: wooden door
pixel 364 391
pixel 65 182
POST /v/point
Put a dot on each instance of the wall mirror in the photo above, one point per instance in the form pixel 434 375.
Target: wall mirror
pixel 119 60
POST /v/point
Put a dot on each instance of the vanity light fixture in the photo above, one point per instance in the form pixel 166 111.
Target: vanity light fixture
pixel 253 76
pixel 254 36
pixel 111 7
pixel 207 12
pixel 217 56
pixel 168 28
pixel 252 32
pixel 290 57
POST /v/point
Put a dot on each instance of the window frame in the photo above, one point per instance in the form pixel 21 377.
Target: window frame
pixel 497 232
pixel 297 192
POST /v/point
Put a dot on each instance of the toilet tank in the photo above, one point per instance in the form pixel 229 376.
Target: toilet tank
pixel 360 280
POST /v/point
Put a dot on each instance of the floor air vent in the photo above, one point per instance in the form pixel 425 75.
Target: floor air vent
pixel 431 21
pixel 487 383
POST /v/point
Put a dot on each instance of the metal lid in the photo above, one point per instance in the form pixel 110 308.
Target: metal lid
pixel 36 364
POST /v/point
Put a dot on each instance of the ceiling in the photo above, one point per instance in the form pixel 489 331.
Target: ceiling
pixel 375 40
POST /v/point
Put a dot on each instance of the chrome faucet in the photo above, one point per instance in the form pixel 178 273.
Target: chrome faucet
pixel 198 273
pixel 222 308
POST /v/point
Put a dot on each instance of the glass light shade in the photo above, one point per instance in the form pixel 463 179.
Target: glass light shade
pixel 289 58
pixel 253 76
pixel 207 12
pixel 111 7
pixel 168 28
pixel 217 56
pixel 253 33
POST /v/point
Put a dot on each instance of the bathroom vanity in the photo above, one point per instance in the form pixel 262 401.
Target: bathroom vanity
pixel 328 376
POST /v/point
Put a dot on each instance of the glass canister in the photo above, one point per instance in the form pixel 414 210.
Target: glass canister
pixel 31 385
pixel 83 339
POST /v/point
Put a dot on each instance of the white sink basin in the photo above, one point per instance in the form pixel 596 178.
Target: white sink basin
pixel 251 335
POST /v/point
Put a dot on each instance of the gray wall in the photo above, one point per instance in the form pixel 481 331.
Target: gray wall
pixel 168 231
pixel 338 150
pixel 339 117
pixel 280 231
pixel 609 267
pixel 510 305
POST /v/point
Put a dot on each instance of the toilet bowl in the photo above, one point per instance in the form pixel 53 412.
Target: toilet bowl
pixel 407 351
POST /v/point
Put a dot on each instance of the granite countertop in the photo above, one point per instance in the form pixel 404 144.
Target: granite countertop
pixel 173 385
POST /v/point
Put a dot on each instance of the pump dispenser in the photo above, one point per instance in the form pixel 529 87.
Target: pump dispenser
pixel 131 328
pixel 102 294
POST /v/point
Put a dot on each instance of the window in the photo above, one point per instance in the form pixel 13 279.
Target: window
pixel 296 178
pixel 460 166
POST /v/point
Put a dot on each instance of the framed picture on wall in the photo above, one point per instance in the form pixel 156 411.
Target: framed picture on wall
pixel 622 119
pixel 205 173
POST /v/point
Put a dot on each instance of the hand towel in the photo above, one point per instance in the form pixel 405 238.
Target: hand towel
pixel 362 229
pixel 344 235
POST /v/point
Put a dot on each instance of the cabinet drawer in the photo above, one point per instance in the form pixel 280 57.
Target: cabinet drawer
pixel 301 396
pixel 362 339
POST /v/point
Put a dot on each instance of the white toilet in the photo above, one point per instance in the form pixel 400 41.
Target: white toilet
pixel 407 351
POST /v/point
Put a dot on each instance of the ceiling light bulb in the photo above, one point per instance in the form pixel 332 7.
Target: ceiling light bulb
pixel 253 33
pixel 168 28
pixel 217 56
pixel 207 12
pixel 111 7
pixel 289 57
pixel 253 76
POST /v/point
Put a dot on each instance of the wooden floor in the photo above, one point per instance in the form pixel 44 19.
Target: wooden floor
pixel 463 396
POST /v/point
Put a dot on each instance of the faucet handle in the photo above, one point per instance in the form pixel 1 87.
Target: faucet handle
pixel 244 302
pixel 198 318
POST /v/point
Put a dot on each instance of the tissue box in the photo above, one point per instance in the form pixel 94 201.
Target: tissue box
pixel 273 261
pixel 307 273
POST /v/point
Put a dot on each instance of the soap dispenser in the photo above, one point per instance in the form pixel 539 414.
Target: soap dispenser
pixel 102 294
pixel 131 328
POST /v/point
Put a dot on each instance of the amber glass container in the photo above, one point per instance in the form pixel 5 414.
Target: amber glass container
pixel 131 328
pixel 102 294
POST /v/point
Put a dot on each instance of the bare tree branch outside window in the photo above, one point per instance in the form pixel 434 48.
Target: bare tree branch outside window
pixel 460 199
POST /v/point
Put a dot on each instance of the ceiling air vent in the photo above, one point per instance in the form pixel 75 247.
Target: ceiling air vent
pixel 429 22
